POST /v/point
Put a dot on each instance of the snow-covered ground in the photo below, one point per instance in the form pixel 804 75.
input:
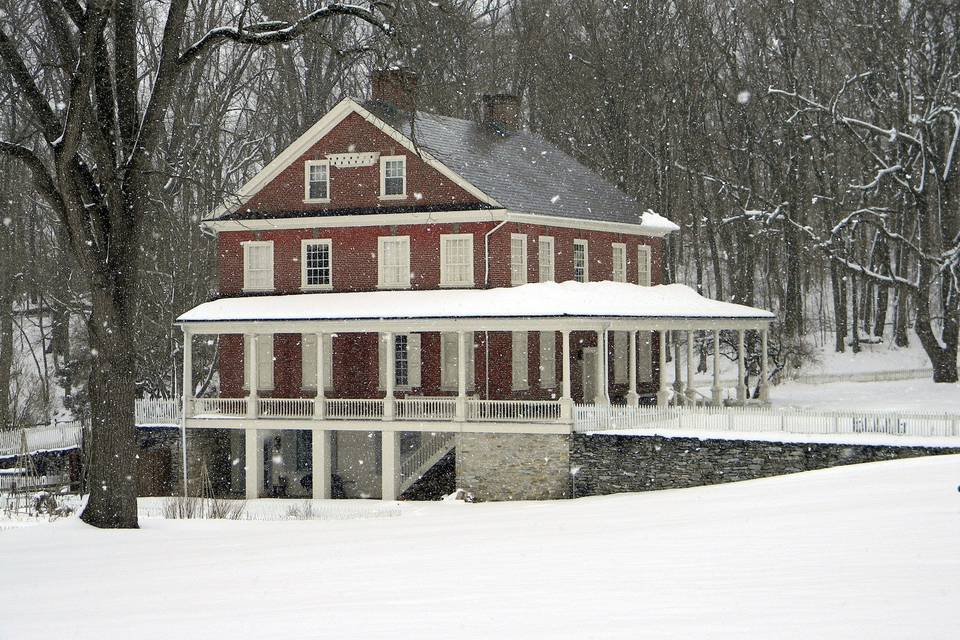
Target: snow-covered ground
pixel 917 395
pixel 861 551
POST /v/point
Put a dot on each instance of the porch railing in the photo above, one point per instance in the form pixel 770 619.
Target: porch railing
pixel 354 408
pixel 427 408
pixel 433 446
pixel 286 408
pixel 513 410
pixel 219 408
pixel 158 411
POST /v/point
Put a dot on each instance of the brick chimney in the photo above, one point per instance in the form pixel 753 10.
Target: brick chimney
pixel 502 111
pixel 395 86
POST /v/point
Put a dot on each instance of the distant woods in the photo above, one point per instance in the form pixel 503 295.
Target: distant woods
pixel 807 149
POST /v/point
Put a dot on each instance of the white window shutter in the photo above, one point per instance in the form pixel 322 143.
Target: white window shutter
pixel 308 358
pixel 470 363
pixel 645 358
pixel 265 351
pixel 246 362
pixel 327 362
pixel 448 360
pixel 621 347
pixel 413 359
pixel 548 360
pixel 382 360
pixel 519 360
pixel 264 364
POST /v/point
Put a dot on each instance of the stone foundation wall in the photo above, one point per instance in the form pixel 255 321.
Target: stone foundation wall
pixel 506 466
pixel 607 464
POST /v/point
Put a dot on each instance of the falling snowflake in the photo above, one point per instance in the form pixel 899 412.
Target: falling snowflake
pixel 554 199
pixel 744 97
pixel 7 221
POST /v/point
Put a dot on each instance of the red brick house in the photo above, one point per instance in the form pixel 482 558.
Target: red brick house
pixel 386 230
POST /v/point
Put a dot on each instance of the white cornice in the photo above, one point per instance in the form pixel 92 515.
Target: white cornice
pixel 434 217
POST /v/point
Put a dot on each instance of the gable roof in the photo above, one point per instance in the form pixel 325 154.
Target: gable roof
pixel 521 170
pixel 512 170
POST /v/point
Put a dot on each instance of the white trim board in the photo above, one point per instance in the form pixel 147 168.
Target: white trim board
pixel 314 134
pixel 429 217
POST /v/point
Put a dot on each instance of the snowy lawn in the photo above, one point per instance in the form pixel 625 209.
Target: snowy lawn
pixel 867 551
pixel 918 396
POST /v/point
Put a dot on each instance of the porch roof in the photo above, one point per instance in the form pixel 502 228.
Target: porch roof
pixel 601 300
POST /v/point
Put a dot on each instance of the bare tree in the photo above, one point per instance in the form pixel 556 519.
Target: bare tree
pixel 94 170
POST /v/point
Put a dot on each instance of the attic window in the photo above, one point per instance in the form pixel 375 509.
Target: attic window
pixel 393 177
pixel 316 177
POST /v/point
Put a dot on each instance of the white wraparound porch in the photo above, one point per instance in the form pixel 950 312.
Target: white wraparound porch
pixel 562 309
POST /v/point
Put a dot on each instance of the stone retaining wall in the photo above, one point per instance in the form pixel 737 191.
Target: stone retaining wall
pixel 607 464
pixel 507 466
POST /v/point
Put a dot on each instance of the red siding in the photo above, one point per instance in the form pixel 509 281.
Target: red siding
pixel 355 269
pixel 357 187
pixel 355 359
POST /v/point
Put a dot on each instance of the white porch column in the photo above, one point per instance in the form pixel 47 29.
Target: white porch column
pixel 678 394
pixel 691 388
pixel 187 400
pixel 389 464
pixel 319 402
pixel 321 464
pixel 662 391
pixel 253 471
pixel 566 398
pixel 254 377
pixel 716 391
pixel 741 369
pixel 461 415
pixel 764 390
pixel 633 398
pixel 391 375
pixel 600 394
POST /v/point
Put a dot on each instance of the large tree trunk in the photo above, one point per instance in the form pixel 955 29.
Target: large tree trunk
pixel 112 446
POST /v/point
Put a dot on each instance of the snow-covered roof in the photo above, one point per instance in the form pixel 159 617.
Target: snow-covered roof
pixel 540 300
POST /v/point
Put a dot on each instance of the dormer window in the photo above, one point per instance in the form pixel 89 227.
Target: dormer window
pixel 316 181
pixel 393 177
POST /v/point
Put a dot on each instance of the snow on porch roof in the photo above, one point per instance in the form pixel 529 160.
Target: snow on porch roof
pixel 541 300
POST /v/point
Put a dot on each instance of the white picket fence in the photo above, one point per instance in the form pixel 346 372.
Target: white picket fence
pixel 66 435
pixel 764 419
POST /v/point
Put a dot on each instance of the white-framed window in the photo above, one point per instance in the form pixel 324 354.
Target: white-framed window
pixel 519 357
pixel 406 360
pixel 621 355
pixel 264 361
pixel 393 262
pixel 619 254
pixel 258 265
pixel 645 356
pixel 548 360
pixel 581 257
pixel 316 181
pixel 316 264
pixel 456 260
pixel 393 177
pixel 643 265
pixel 449 366
pixel 518 258
pixel 308 358
pixel 545 256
